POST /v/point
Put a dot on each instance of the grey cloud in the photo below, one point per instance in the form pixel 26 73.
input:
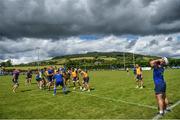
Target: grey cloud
pixel 10 46
pixel 160 45
pixel 153 42
pixel 131 44
pixel 170 39
pixel 59 18
pixel 167 12
pixel 5 49
pixel 147 2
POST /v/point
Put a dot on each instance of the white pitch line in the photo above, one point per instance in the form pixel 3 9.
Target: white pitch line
pixel 171 107
pixel 118 100
pixel 174 105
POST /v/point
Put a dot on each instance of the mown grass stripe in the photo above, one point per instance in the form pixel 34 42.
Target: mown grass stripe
pixel 118 100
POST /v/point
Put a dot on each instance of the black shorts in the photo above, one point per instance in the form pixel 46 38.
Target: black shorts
pixel 15 81
pixel 139 77
pixel 160 88
pixel 29 77
pixel 86 80
pixel 50 78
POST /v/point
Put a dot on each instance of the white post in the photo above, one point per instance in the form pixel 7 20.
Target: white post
pixel 11 59
pixel 37 48
pixel 133 59
pixel 124 60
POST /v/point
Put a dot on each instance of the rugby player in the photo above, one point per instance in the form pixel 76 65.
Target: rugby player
pixel 43 77
pixel 139 77
pixel 75 78
pixel 39 79
pixel 160 84
pixel 67 78
pixel 50 73
pixel 85 82
pixel 59 80
pixel 28 77
pixel 127 70
pixel 15 80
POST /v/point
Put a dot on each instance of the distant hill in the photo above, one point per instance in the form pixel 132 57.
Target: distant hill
pixel 103 60
pixel 99 60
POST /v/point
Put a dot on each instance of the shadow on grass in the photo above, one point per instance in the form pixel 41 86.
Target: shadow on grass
pixel 26 90
pixel 170 103
pixel 92 89
pixel 61 93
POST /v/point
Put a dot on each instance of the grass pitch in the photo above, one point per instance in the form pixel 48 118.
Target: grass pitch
pixel 114 96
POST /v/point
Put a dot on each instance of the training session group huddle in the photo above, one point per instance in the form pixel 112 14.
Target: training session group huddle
pixel 52 76
pixel 48 77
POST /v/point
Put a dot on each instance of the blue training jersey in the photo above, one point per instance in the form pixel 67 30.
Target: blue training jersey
pixel 158 75
pixel 50 71
pixel 38 77
pixel 58 77
pixel 42 71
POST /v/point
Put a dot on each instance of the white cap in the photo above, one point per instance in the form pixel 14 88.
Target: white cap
pixel 165 60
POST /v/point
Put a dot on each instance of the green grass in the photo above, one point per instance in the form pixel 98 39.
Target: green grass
pixel 102 102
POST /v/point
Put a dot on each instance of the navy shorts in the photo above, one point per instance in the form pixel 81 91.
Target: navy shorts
pixel 86 80
pixel 160 89
pixel 50 78
pixel 59 83
pixel 139 77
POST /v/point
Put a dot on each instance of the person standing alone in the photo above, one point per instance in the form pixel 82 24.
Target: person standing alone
pixel 160 84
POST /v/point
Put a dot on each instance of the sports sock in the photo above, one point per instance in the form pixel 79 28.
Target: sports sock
pixel 64 89
pixel 54 90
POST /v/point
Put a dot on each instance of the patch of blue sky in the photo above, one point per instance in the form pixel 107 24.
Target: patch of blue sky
pixel 89 37
pixel 178 37
pixel 95 37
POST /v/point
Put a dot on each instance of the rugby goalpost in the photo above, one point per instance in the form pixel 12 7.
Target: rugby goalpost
pixel 38 57
pixel 124 59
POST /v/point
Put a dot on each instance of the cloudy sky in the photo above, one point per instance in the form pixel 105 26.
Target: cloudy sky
pixel 60 27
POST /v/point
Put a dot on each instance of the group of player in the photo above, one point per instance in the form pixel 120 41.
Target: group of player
pixel 54 77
